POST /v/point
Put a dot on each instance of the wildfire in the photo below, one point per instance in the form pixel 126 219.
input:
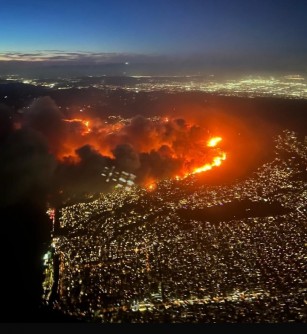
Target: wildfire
pixel 216 161
pixel 151 186
pixel 84 123
pixel 212 142
pixel 160 148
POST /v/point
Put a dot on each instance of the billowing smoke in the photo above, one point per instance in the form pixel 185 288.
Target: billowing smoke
pixel 73 179
pixel 69 155
pixel 126 158
pixel 26 166
pixel 44 116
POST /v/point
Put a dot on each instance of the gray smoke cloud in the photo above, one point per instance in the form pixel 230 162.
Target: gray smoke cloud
pixel 26 167
pixel 126 158
pixel 44 116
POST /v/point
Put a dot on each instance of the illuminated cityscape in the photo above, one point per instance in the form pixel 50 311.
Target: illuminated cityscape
pixel 286 86
pixel 186 252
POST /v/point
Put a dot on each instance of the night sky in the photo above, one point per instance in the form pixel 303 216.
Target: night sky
pixel 230 29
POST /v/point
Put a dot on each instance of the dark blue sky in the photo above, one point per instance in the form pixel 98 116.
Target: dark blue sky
pixel 222 28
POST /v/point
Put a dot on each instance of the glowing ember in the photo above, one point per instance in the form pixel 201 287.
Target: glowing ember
pixel 213 141
pixel 152 186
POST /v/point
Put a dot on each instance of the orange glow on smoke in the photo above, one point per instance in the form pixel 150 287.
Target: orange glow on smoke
pixel 82 132
pixel 84 123
pixel 176 143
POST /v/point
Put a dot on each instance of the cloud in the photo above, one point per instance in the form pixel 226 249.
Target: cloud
pixel 58 56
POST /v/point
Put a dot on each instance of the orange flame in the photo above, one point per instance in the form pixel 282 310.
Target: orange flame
pixel 216 161
pixel 86 125
pixel 151 186
pixel 212 142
